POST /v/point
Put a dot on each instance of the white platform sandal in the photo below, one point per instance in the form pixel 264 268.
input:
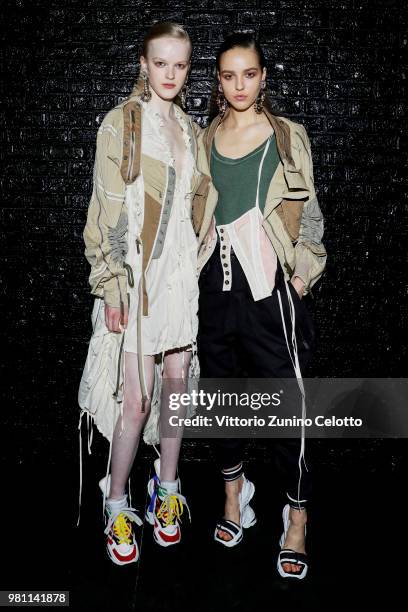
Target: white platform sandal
pixel 287 555
pixel 247 517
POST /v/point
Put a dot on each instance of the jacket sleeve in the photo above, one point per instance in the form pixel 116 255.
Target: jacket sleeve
pixel 310 252
pixel 105 230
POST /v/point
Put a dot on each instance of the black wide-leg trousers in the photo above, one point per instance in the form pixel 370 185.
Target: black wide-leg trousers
pixel 239 336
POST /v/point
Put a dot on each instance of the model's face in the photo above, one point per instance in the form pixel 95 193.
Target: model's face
pixel 167 65
pixel 240 76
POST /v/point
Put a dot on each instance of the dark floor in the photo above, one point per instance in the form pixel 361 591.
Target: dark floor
pixel 352 532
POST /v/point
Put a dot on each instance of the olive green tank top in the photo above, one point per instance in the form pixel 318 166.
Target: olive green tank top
pixel 236 180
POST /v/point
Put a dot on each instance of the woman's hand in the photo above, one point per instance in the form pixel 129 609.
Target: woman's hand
pixel 115 318
pixel 299 285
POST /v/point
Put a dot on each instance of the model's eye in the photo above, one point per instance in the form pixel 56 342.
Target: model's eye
pixel 181 66
pixel 159 64
pixel 251 75
pixel 227 77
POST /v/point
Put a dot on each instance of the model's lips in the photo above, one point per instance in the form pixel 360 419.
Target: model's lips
pixel 168 85
pixel 240 97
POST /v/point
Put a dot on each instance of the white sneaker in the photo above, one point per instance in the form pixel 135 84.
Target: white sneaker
pixel 121 544
pixel 165 510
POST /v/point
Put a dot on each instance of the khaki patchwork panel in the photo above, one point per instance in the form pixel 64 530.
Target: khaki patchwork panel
pixel 132 122
pixel 290 213
pixel 154 176
pixel 152 211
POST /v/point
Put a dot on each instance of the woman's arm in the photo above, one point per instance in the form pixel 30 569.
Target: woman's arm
pixel 105 230
pixel 310 252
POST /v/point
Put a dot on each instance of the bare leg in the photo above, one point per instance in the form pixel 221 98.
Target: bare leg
pixel 231 510
pixel 176 363
pixel 295 538
pixel 125 443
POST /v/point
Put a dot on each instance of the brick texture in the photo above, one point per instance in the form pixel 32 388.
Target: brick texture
pixel 338 67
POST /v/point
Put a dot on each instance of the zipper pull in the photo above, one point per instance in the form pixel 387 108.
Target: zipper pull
pixel 138 245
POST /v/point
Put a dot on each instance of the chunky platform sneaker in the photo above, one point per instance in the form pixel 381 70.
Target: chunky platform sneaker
pixel 165 510
pixel 121 544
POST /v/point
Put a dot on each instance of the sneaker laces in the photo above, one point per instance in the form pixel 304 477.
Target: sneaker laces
pixel 119 522
pixel 172 507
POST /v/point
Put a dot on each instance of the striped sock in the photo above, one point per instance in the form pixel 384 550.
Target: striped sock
pixel 232 473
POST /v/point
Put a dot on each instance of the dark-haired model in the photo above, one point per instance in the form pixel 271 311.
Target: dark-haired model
pixel 260 251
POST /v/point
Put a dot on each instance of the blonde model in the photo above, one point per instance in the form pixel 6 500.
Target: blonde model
pixel 142 246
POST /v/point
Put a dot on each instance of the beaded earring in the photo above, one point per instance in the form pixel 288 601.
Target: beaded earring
pixel 221 101
pixel 183 95
pixel 146 95
pixel 258 104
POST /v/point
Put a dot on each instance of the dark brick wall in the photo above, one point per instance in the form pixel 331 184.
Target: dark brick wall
pixel 338 67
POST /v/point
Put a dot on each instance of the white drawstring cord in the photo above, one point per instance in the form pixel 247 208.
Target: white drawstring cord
pixel 89 435
pixel 122 412
pixel 80 466
pixel 107 473
pixel 130 493
pixel 260 171
pixel 296 367
pixel 122 428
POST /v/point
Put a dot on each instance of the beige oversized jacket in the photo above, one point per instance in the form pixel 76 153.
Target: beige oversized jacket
pixel 117 163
